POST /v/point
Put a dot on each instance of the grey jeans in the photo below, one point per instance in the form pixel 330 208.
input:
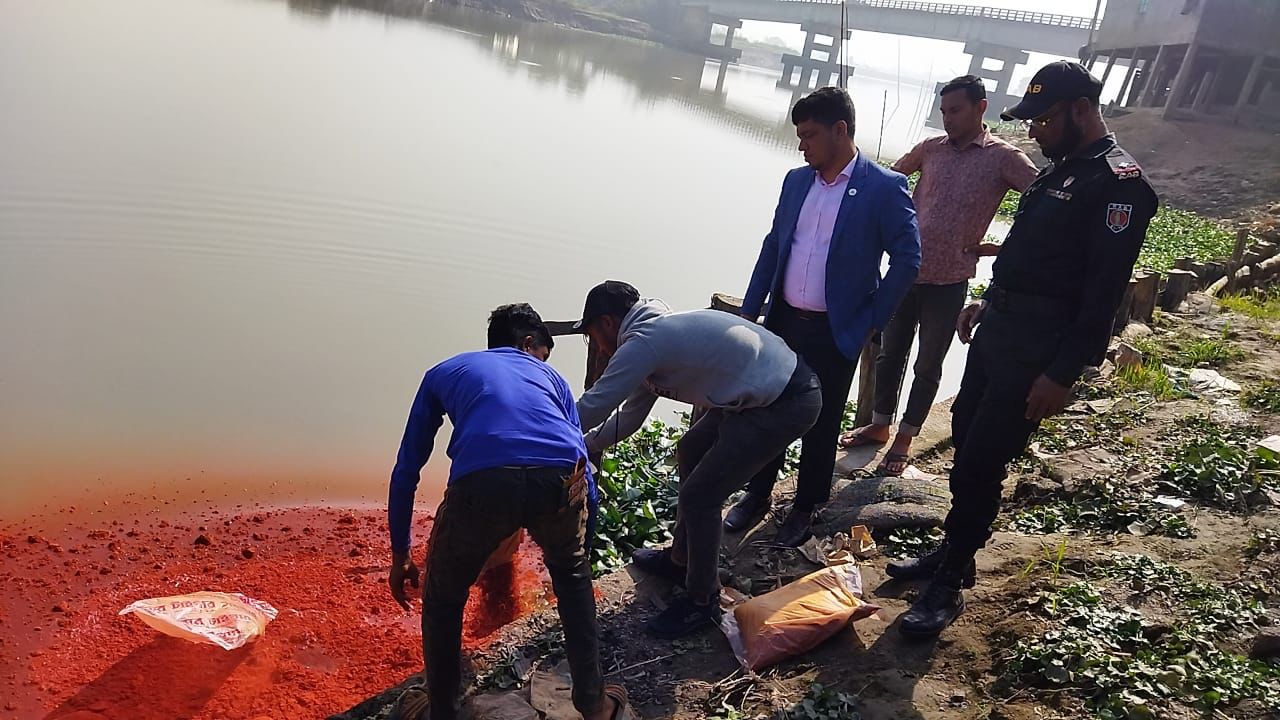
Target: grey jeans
pixel 717 456
pixel 932 309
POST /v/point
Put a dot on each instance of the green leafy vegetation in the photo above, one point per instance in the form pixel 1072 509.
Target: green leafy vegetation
pixel 1264 396
pixel 1123 664
pixel 823 703
pixel 1262 542
pixel 1103 505
pixel 638 488
pixel 905 542
pixel 1220 465
pixel 1009 205
pixel 1177 233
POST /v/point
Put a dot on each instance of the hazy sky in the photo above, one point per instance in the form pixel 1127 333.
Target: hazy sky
pixel 917 58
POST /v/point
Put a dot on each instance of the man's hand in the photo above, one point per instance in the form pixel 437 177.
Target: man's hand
pixel 986 249
pixel 402 568
pixel 970 317
pixel 1046 398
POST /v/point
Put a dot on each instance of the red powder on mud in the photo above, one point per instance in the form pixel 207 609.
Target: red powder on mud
pixel 339 637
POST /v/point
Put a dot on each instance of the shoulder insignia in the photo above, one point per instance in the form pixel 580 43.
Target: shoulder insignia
pixel 1118 216
pixel 1123 165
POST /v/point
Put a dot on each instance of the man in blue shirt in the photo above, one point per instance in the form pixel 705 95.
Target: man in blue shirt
pixel 519 461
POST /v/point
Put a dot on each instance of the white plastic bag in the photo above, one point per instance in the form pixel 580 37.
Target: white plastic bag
pixel 228 620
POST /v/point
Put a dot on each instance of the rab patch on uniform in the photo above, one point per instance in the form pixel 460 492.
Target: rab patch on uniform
pixel 1126 170
pixel 1118 216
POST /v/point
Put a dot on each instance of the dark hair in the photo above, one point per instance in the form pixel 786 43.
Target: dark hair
pixel 972 85
pixel 509 325
pixel 828 106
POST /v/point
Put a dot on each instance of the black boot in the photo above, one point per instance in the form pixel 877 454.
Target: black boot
pixel 923 568
pixel 941 603
pixel 747 512
pixel 795 529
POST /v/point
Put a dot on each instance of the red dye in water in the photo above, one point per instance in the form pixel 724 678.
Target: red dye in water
pixel 339 637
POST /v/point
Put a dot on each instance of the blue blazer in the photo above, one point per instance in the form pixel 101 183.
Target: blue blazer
pixel 876 217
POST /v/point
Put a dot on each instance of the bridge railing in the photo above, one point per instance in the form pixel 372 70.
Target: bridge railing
pixel 1026 16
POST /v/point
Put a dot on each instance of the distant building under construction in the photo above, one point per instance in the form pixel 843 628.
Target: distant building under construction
pixel 1194 58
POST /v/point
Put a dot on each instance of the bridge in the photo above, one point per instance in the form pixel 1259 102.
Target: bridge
pixel 987 33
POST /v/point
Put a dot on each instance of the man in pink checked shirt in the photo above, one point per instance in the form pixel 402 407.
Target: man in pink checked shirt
pixel 964 175
pixel 819 267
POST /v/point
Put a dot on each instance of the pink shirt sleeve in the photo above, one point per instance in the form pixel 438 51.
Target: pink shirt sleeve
pixel 912 161
pixel 1018 171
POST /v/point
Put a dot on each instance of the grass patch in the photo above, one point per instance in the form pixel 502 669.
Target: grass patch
pixel 1150 378
pixel 1264 396
pixel 1189 352
pixel 1208 352
pixel 1121 664
pixel 1259 305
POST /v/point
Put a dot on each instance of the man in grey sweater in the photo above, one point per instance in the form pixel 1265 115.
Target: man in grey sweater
pixel 759 397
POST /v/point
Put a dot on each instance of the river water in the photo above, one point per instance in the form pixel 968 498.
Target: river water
pixel 234 233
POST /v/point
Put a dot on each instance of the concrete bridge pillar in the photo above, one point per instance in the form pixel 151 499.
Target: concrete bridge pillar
pixel 999 94
pixel 725 52
pixel 818 64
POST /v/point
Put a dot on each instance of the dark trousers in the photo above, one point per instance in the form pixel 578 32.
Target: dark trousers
pixel 933 310
pixel 809 335
pixel 716 457
pixel 478 512
pixel 989 422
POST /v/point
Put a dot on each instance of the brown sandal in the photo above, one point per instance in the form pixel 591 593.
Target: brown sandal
pixel 413 704
pixel 892 459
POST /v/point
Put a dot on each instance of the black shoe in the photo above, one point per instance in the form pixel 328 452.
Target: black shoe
pixel 746 513
pixel 938 607
pixel 795 529
pixel 684 617
pixel 659 563
pixel 923 568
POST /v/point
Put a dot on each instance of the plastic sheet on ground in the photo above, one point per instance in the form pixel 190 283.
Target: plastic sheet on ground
pixel 840 548
pixel 228 620
pixel 796 617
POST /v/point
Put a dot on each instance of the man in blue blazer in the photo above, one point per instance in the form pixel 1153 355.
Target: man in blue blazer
pixel 819 268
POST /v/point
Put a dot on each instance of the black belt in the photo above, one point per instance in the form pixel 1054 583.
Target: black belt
pixel 805 314
pixel 1015 303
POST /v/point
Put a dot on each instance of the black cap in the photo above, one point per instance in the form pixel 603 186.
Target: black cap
pixel 611 297
pixel 1055 82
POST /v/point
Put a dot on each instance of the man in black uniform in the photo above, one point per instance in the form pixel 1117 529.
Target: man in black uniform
pixel 1048 313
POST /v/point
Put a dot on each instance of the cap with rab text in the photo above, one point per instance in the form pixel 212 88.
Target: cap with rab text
pixel 1053 83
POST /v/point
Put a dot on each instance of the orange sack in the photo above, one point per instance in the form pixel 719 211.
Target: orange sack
pixel 796 617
